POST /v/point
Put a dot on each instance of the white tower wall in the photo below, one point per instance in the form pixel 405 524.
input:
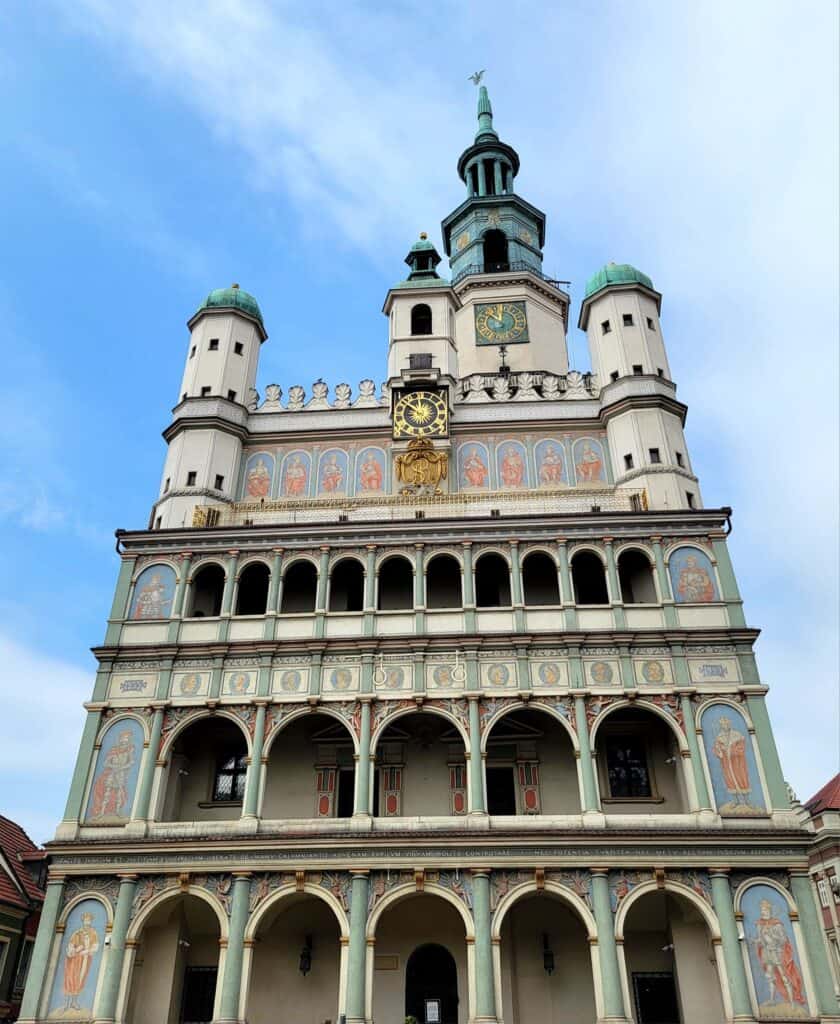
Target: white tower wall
pixel 624 346
pixel 222 369
pixel 440 343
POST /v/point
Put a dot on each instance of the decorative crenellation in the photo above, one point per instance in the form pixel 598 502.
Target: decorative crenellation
pixel 320 397
pixel 524 386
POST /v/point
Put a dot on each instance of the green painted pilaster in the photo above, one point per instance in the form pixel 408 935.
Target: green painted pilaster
pixel 315 673
pixel 231 579
pixel 216 678
pixel 469 588
pixel 769 753
pixel 84 760
pixel 681 672
pixel 739 991
pixel 272 604
pixel 619 617
pixel 253 778
pixel 700 785
pixel 587 768
pixel 567 591
pixel 181 588
pixel 613 999
pixel 40 960
pixel 523 671
pixel 576 680
pixel 321 595
pixel 232 979
pixel 664 582
pixel 482 182
pixel 357 949
pixel 516 586
pixel 164 681
pixel 103 678
pixel 147 768
pixel 362 800
pixel 475 766
pixel 419 588
pixel 370 591
pixel 485 991
pixel 116 951
pixel 812 933
pixel 264 676
pixel 497 177
pixel 119 606
pixel 728 583
pixel 626 666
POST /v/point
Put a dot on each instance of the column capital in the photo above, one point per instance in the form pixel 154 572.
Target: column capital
pixel 719 872
pixel 360 872
pixel 239 875
pixel 128 878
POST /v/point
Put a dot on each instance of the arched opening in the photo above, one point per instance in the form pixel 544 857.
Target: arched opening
pixel 347 586
pixel 300 587
pixel 639 764
pixel 492 581
pixel 206 591
pixel 296 963
pixel 421 769
pixel 431 976
pixel 310 772
pixel 396 584
pixel 252 592
pixel 671 965
pixel 421 319
pixel 443 582
pixel 176 964
pixel 531 766
pixel 495 251
pixel 546 964
pixel 589 579
pixel 539 580
pixel 206 776
pixel 420 922
pixel 635 574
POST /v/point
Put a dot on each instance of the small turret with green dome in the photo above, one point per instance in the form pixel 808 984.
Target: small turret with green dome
pixel 232 298
pixel 616 273
pixel 422 260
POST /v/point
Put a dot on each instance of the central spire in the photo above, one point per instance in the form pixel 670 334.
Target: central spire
pixel 485 116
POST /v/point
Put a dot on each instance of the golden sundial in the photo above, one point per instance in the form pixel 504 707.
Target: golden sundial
pixel 421 414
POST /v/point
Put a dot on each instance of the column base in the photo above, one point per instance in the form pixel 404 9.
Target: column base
pixel 594 819
pixel 137 827
pixel 67 830
pixel 249 823
pixel 479 821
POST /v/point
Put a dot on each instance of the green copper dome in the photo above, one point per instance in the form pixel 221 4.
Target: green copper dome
pixel 233 297
pixel 616 273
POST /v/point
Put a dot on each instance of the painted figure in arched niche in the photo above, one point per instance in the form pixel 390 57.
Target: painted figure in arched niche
pixel 732 764
pixel 333 474
pixel 154 592
pixel 589 461
pixel 258 473
pixel 77 969
pixel 474 471
pixel 512 465
pixel 550 468
pixel 371 471
pixel 296 475
pixel 774 960
pixel 115 774
pixel 692 576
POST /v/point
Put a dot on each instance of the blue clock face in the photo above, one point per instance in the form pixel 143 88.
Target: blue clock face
pixel 501 323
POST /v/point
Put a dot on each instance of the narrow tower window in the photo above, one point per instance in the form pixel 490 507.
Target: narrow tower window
pixel 628 461
pixel 421 319
pixel 238 348
pixel 614 375
pixel 627 319
pixel 220 481
pixel 637 369
pixel 205 391
pixel 214 344
pixel 605 327
pixel 191 478
pixel 166 485
pixel 192 351
pixel 495 251
pixel 651 324
pixel 655 457
pixel 679 458
pixel 231 396
pixel 689 497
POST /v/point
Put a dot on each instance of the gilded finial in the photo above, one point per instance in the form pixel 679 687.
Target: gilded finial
pixel 423 236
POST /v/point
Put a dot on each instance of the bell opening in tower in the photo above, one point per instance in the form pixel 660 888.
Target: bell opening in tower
pixel 495 251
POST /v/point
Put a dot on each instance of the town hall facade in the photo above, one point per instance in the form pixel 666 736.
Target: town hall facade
pixel 433 700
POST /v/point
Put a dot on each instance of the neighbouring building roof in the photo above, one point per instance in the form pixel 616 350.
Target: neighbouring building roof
pixel 17 884
pixel 827 798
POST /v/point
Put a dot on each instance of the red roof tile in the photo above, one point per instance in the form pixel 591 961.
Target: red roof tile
pixel 827 799
pixel 15 845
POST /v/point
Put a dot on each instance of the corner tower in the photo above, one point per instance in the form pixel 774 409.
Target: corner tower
pixel 494 242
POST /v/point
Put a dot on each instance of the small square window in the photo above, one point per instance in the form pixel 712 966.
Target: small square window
pixel 205 391
pixel 637 369
pixel 614 375
pixel 192 351
pixel 191 476
pixel 654 455
pixel 214 345
pixel 158 521
pixel 679 458
pixel 166 485
pixel 651 324
pixel 231 396
pixel 184 397
pixel 220 481
pixel 627 319
pixel 238 348
pixel 605 327
pixel 628 461
pixel 689 497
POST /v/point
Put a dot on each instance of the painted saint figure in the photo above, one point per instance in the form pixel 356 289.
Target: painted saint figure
pixel 551 467
pixel 151 601
pixel 730 748
pixel 295 483
pixel 370 473
pixel 775 954
pixel 82 946
pixel 332 476
pixel 590 465
pixel 259 480
pixel 513 468
pixel 695 586
pixel 110 790
pixel 475 471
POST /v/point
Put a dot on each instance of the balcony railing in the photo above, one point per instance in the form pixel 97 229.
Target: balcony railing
pixel 501 268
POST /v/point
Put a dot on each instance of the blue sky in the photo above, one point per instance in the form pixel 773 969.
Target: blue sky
pixel 152 151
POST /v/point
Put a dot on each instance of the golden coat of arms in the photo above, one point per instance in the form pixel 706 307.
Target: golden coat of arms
pixel 421 467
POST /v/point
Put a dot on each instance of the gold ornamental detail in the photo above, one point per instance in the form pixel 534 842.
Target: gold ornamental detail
pixel 421 467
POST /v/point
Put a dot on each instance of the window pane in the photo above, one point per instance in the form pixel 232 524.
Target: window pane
pixel 627 767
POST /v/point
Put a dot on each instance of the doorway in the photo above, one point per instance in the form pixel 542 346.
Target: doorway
pixel 655 993
pixel 431 974
pixel 198 996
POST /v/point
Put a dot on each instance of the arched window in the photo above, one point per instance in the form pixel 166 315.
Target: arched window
pixel 207 769
pixel 635 574
pixel 300 585
pixel 206 591
pixel 589 579
pixel 443 583
pixel 421 319
pixel 252 594
pixel 495 251
pixel 492 581
pixel 347 586
pixel 396 584
pixel 539 579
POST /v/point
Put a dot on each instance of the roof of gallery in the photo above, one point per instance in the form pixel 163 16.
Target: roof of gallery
pixel 17 886
pixel 827 798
